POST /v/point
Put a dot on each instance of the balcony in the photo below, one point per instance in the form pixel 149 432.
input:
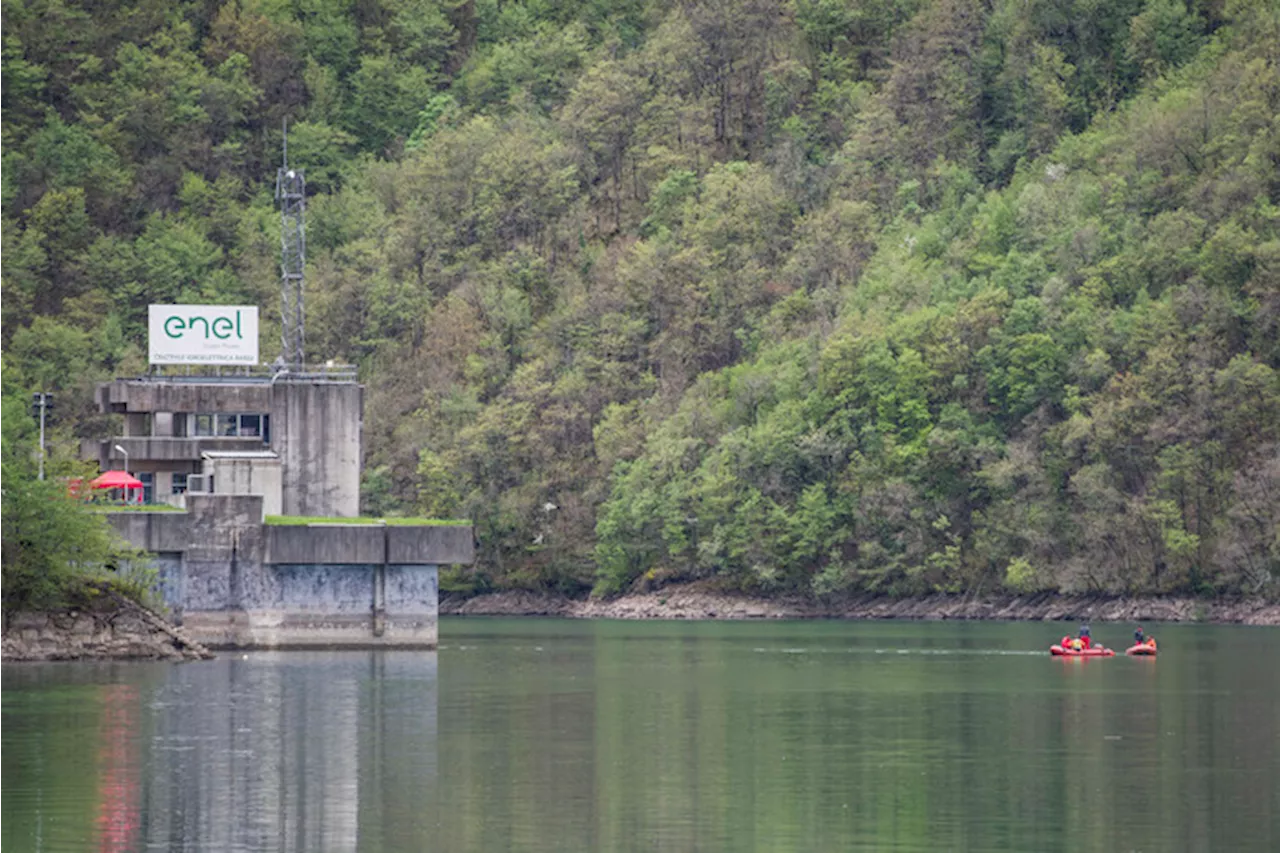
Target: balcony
pixel 146 449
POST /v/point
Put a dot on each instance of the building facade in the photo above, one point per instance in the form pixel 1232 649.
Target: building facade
pixel 294 440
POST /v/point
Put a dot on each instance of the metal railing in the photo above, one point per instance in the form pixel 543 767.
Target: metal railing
pixel 208 374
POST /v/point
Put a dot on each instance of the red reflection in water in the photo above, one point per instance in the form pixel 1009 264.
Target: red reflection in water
pixel 119 817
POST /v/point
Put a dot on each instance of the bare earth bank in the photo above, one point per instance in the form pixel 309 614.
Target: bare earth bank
pixel 116 629
pixel 690 601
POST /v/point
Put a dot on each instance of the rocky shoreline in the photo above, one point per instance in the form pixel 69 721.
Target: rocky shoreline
pixel 119 629
pixel 694 602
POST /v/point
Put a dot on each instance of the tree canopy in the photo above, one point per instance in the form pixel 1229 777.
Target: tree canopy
pixel 55 549
pixel 799 295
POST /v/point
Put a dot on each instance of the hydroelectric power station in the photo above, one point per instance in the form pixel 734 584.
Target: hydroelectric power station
pixel 211 433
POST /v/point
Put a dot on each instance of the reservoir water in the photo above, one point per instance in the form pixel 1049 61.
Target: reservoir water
pixel 552 735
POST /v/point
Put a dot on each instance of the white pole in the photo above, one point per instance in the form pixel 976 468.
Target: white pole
pixel 42 402
pixel 125 454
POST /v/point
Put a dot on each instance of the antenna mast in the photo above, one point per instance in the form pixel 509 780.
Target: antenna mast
pixel 291 192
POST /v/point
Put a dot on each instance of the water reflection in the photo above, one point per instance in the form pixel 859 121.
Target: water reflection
pixel 119 786
pixel 550 736
pixel 838 736
pixel 264 752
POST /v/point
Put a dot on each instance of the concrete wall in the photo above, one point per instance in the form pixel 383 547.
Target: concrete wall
pixel 302 606
pixel 236 583
pixel 309 606
pixel 333 544
pixel 316 430
pixel 153 531
pixel 337 544
pixel 411 603
pixel 146 453
pixel 137 424
pixel 224 553
pixel 253 476
pixel 446 543
pixel 135 395
pixel 169 566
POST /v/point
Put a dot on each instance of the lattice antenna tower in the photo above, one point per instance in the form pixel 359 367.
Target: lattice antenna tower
pixel 291 192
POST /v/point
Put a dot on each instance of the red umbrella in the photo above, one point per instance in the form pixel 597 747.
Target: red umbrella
pixel 116 480
pixel 119 480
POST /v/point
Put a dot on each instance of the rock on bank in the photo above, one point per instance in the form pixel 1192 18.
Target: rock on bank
pixel 692 601
pixel 118 630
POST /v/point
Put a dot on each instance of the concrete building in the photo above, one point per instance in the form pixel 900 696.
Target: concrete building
pixel 233 582
pixel 230 450
pixel 243 472
pixel 293 439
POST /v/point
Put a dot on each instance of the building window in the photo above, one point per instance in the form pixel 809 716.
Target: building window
pixel 148 486
pixel 179 484
pixel 253 425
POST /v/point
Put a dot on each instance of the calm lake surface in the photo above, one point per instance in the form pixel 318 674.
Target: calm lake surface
pixel 550 735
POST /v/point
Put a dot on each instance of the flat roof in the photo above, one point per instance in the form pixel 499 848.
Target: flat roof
pixel 239 454
pixel 204 375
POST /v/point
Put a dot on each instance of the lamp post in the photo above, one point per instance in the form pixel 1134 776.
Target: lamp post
pixel 125 454
pixel 41 403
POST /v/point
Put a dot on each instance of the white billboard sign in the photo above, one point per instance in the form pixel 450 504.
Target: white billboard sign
pixel 203 334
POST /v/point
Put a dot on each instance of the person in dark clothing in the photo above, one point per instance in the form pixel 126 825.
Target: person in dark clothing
pixel 1084 637
pixel 1138 637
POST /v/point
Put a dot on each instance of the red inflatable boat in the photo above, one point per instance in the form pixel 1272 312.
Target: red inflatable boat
pixel 1095 652
pixel 1147 649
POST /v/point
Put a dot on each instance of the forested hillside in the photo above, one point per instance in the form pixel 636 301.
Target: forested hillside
pixel 803 295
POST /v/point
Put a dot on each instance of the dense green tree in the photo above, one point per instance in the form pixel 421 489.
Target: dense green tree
pixel 821 296
pixel 51 540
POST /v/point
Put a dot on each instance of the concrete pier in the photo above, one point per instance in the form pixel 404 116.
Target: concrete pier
pixel 233 582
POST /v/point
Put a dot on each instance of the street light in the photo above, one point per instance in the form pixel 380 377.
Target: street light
pixel 125 454
pixel 42 403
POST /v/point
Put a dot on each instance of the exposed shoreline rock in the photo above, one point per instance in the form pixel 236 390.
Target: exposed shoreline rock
pixel 690 601
pixel 119 629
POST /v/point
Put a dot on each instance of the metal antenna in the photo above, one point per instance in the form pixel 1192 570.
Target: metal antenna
pixel 291 192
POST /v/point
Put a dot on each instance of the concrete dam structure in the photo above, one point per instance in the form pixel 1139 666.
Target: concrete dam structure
pixel 232 581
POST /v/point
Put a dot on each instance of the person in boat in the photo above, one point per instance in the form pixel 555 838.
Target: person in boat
pixel 1141 639
pixel 1084 636
pixel 1077 644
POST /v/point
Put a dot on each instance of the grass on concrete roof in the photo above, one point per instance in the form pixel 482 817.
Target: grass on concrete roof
pixel 283 520
pixel 110 507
